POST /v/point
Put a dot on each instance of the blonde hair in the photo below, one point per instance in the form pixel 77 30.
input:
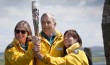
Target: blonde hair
pixel 26 25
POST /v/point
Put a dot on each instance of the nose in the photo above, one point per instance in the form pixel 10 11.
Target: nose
pixel 65 38
pixel 46 24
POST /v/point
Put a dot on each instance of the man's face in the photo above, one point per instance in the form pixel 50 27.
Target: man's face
pixel 48 25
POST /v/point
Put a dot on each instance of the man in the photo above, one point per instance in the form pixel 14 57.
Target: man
pixel 51 39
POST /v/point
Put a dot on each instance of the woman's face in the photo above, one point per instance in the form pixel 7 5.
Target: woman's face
pixel 21 34
pixel 69 40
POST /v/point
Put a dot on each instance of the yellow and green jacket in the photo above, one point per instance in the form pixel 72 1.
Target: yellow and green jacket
pixel 16 55
pixel 74 57
pixel 55 50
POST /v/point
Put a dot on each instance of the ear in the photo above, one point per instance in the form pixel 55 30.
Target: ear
pixel 76 39
pixel 54 24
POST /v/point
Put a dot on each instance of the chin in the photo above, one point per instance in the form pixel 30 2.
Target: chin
pixel 67 46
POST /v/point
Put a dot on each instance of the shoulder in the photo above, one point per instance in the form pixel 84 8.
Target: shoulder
pixel 9 46
pixel 58 33
pixel 76 51
pixel 30 43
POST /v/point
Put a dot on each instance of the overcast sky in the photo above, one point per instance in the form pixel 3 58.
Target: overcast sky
pixel 83 15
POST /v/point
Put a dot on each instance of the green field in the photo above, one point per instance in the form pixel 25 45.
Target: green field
pixel 1 62
pixel 98 59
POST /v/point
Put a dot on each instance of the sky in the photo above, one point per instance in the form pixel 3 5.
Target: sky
pixel 83 15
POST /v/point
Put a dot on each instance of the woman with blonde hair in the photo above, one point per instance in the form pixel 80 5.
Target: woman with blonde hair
pixel 19 52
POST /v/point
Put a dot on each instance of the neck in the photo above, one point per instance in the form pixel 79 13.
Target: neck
pixel 49 35
pixel 22 42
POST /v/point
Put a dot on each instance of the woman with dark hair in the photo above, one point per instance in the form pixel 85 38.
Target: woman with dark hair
pixel 74 55
pixel 19 52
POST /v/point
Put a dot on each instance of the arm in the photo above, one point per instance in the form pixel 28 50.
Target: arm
pixel 36 47
pixel 39 55
pixel 70 59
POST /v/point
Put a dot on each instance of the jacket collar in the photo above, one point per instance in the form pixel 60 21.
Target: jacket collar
pixel 17 44
pixel 72 47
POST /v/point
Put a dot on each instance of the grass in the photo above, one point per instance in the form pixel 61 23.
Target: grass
pixel 98 59
pixel 2 62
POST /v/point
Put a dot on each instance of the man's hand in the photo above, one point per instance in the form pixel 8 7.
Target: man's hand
pixel 36 42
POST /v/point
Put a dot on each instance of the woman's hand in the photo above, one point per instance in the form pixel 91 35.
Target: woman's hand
pixel 36 42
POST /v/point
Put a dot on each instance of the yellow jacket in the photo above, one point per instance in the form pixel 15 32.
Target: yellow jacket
pixel 74 57
pixel 55 50
pixel 16 55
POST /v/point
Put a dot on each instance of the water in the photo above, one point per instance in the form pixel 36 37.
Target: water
pixel 1 53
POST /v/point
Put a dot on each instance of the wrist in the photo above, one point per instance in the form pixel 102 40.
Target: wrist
pixel 39 55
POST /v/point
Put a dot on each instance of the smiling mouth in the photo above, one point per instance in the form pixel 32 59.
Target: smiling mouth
pixel 46 28
pixel 20 36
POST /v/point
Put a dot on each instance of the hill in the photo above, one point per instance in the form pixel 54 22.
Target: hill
pixel 97 51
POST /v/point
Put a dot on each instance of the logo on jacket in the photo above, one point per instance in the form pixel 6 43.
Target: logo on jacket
pixel 59 48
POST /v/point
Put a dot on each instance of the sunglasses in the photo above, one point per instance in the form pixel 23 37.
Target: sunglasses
pixel 18 31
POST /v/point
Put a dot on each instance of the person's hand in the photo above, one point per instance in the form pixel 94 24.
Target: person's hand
pixel 36 42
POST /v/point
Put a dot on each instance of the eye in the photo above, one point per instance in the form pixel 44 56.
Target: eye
pixel 48 22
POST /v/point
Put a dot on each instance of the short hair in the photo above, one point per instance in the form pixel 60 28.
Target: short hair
pixel 50 16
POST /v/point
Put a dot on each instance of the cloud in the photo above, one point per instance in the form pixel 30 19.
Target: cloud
pixel 95 3
pixel 71 3
pixel 82 2
pixel 13 2
pixel 83 15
